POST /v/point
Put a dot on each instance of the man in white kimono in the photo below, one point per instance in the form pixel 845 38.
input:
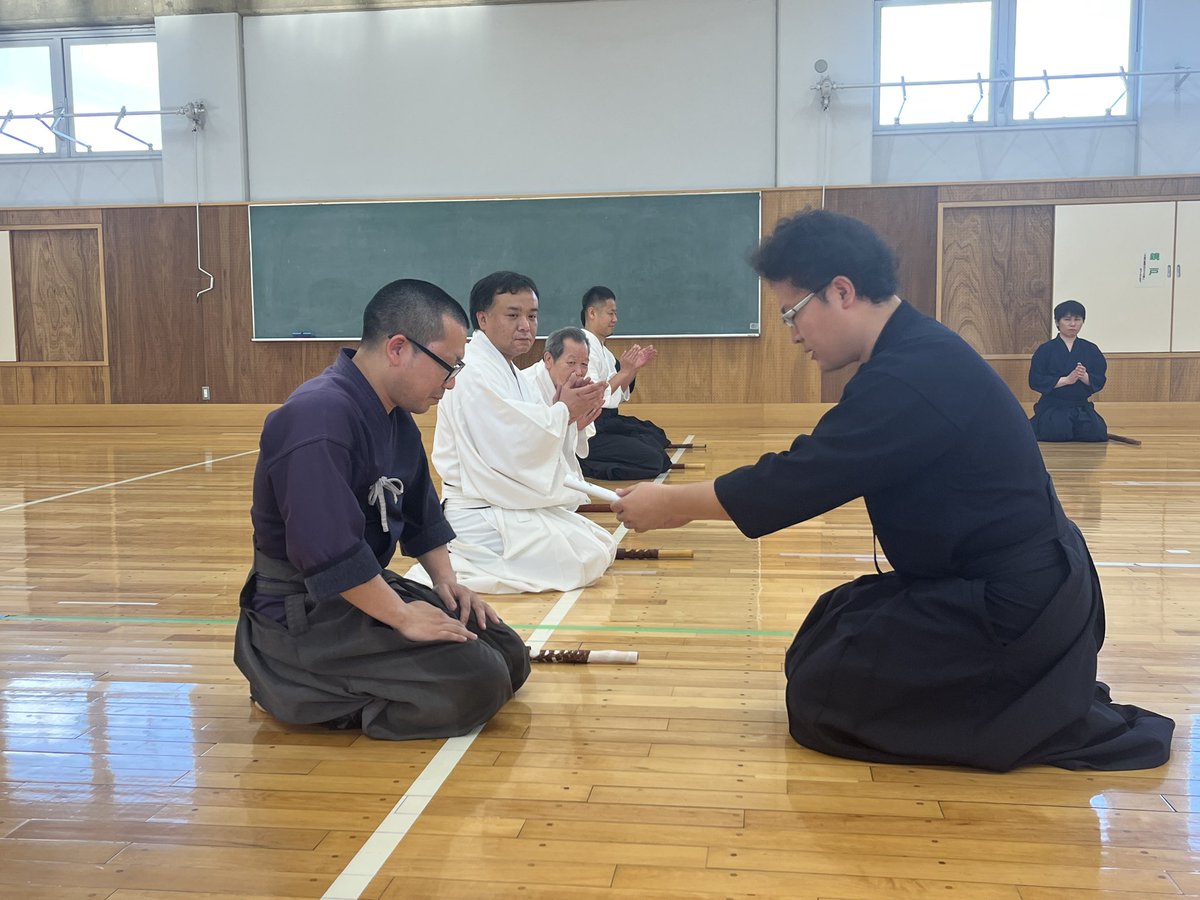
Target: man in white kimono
pixel 566 356
pixel 498 447
pixel 625 448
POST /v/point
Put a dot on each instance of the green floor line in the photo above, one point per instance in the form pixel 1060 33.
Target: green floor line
pixel 184 620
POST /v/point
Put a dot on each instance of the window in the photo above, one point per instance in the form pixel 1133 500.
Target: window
pixel 977 41
pixel 79 73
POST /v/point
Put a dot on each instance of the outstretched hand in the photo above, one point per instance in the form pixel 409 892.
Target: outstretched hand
pixel 646 506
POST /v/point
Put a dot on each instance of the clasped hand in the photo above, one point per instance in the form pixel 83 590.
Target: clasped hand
pixel 583 398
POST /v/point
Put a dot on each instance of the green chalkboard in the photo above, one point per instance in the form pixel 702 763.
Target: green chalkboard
pixel 677 262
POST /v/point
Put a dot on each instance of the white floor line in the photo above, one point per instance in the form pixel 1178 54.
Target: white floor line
pixel 100 487
pixel 367 862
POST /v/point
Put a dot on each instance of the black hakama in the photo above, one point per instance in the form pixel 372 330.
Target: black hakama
pixel 979 649
pixel 1066 413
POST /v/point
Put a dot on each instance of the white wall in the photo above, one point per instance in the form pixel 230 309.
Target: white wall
pixel 200 58
pixel 625 95
pixel 80 182
pixel 596 96
pixel 1169 136
pixel 822 147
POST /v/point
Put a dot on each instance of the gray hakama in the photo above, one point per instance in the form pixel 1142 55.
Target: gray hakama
pixel 339 485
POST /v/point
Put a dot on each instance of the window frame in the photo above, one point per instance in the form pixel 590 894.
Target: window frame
pixel 59 41
pixel 1001 114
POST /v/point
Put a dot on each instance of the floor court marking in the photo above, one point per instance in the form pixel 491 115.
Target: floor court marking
pixel 376 850
pixel 112 484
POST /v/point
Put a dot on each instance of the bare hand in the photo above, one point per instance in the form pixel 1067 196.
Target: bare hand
pixel 425 623
pixel 629 359
pixel 584 421
pixel 649 354
pixel 646 506
pixel 465 601
pixel 581 396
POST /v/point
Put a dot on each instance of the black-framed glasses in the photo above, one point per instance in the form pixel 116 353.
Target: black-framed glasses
pixel 790 316
pixel 451 370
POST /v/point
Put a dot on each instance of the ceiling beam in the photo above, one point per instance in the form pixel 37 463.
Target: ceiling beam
pixel 39 14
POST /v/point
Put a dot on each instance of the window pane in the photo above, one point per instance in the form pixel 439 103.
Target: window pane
pixel 934 42
pixel 1040 44
pixel 105 77
pixel 25 88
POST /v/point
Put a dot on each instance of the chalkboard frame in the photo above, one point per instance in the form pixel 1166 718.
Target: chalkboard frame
pixel 749 292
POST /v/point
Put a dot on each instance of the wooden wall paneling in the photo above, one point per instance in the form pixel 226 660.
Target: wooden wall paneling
pixel 15 386
pixel 69 384
pixel 1141 379
pixel 57 295
pixel 996 276
pixel 240 370
pixel 777 372
pixel 906 218
pixel 49 385
pixel 1185 379
pixel 1015 373
pixel 155 326
pixel 1061 191
pixel 74 215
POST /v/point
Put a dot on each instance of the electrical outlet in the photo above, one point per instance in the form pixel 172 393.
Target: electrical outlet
pixel 205 393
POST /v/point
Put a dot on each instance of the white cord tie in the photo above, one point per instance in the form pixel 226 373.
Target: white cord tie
pixel 378 495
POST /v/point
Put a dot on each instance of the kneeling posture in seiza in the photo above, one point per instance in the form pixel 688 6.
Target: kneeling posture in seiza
pixel 499 450
pixel 566 356
pixel 1066 372
pixel 326 634
pixel 624 448
pixel 980 648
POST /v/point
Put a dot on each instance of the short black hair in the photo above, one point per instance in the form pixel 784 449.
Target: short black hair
pixel 483 294
pixel 554 343
pixel 812 248
pixel 1069 308
pixel 594 296
pixel 415 309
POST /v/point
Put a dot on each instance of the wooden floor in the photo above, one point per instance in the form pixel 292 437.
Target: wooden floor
pixel 134 767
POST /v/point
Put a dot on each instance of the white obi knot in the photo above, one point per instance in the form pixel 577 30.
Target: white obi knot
pixel 377 495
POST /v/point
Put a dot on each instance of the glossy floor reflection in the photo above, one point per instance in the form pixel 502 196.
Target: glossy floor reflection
pixel 132 765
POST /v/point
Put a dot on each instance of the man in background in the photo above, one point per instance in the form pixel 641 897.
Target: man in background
pixel 625 448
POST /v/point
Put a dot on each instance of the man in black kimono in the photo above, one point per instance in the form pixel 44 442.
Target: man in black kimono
pixel 1066 372
pixel 624 448
pixel 327 635
pixel 979 649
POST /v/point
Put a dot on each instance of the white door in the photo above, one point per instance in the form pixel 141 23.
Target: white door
pixel 8 309
pixel 1113 258
pixel 1185 334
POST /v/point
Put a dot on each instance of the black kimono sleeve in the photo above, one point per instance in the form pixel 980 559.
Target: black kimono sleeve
pixel 882 432
pixel 1095 363
pixel 1043 368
